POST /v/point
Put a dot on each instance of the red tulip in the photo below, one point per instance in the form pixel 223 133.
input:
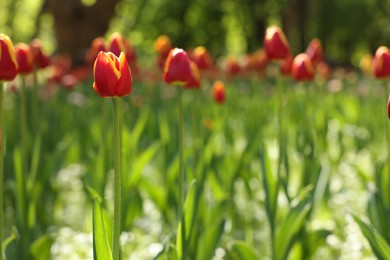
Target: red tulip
pixel 8 62
pixel 117 44
pixel 195 79
pixel 388 108
pixel 177 70
pixel 381 63
pixel 285 65
pixel 202 58
pixel 41 60
pixel 219 92
pixel 112 75
pixel 97 46
pixel 302 68
pixel 276 44
pixel 315 51
pixel 25 58
pixel 232 66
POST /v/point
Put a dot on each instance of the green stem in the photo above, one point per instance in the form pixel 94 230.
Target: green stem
pixel 181 173
pixel 282 138
pixel 23 125
pixel 117 180
pixel 1 168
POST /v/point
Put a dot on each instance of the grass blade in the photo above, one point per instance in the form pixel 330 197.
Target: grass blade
pixel 101 247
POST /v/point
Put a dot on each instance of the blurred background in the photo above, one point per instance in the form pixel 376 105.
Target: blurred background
pixel 346 28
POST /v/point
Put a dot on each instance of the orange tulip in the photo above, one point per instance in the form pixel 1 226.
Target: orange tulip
pixel 302 68
pixel 219 92
pixel 163 45
pixel 381 63
pixel 8 62
pixel 177 70
pixel 276 44
pixel 112 75
pixel 315 51
pixel 25 58
pixel 41 60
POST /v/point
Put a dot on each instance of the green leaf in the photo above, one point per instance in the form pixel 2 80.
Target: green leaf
pixel 241 251
pixel 271 187
pixel 378 244
pixel 189 209
pixel 141 161
pixel 284 236
pixel 179 241
pixel 209 240
pixel 101 247
pixel 40 248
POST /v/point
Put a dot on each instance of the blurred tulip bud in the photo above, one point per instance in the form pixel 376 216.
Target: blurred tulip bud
pixel 41 60
pixel 276 44
pixel 219 94
pixel 302 68
pixel 177 70
pixel 202 58
pixel 315 52
pixel 97 46
pixel 8 62
pixel 285 65
pixel 25 58
pixel 163 45
pixel 232 66
pixel 381 63
pixel 117 44
pixel 112 75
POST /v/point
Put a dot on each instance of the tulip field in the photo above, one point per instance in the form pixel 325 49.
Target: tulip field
pixel 271 155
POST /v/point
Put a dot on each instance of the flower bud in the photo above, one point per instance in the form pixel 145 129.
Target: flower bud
pixel 276 44
pixel 219 94
pixel 381 63
pixel 8 62
pixel 25 58
pixel 302 68
pixel 112 75
pixel 177 70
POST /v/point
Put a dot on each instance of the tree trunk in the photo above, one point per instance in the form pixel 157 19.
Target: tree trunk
pixel 76 25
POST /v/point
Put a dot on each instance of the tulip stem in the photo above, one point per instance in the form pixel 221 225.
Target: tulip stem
pixel 181 174
pixel 1 169
pixel 117 179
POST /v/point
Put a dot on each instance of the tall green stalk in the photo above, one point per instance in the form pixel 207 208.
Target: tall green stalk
pixel 181 173
pixel 117 179
pixel 1 168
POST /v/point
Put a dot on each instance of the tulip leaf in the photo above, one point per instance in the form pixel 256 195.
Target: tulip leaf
pixel 101 246
pixel 378 244
pixel 242 251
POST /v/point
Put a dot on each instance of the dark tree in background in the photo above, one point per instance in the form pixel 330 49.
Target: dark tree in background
pixel 76 25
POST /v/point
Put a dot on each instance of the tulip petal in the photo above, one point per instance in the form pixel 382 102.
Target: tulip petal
pixel 124 84
pixel 106 74
pixel 8 63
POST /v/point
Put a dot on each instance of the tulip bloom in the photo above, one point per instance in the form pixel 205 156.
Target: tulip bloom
pixel 177 70
pixel 25 58
pixel 202 57
pixel 302 68
pixel 315 51
pixel 163 45
pixel 381 63
pixel 219 94
pixel 97 46
pixel 276 44
pixel 112 75
pixel 8 62
pixel 195 79
pixel 41 60
pixel 117 44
